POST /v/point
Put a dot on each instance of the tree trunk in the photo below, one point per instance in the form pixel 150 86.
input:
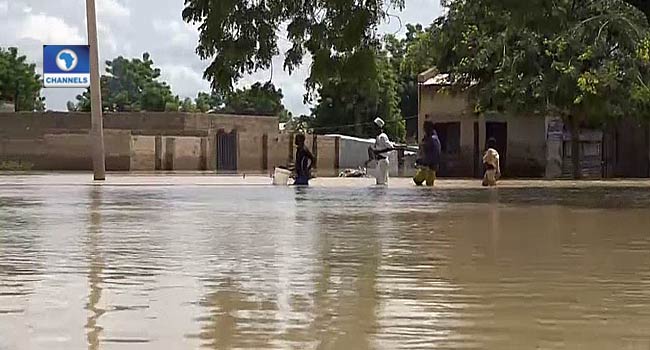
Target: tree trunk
pixel 574 124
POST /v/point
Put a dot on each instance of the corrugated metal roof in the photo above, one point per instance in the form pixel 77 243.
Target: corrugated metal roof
pixel 439 80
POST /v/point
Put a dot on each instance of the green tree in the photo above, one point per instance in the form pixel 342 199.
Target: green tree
pixel 301 123
pixel 132 85
pixel 409 56
pixel 349 103
pixel 258 99
pixel 576 59
pixel 19 82
pixel 241 36
pixel 206 102
pixel 188 106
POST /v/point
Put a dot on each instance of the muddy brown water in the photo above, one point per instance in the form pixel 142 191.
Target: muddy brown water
pixel 243 267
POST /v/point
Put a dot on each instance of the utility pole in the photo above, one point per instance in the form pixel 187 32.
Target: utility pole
pixel 97 129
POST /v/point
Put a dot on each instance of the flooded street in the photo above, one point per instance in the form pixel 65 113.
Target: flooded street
pixel 178 265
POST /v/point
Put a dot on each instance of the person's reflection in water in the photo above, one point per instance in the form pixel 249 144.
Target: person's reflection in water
pixel 96 268
pixel 300 194
pixel 221 331
pixel 494 227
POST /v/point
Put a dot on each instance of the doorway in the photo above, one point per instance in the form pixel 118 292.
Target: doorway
pixel 226 151
pixel 449 136
pixel 498 131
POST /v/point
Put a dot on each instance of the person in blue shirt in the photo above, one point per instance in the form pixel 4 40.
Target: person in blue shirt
pixel 428 160
pixel 304 161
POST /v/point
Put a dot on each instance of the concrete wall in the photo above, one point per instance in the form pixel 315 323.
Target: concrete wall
pixel 328 159
pixel 67 151
pixel 165 141
pixel 147 123
pixel 59 141
pixel 440 106
pixel 279 150
pixel 251 151
pixel 187 153
pixel 143 153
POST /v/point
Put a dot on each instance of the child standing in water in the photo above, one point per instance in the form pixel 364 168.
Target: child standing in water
pixel 491 164
pixel 304 161
pixel 429 156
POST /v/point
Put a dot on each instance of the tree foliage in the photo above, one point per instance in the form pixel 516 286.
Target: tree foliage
pixel 258 99
pixel 582 60
pixel 348 104
pixel 575 58
pixel 241 36
pixel 642 5
pixel 206 102
pixel 409 56
pixel 132 85
pixel 301 124
pixel 19 82
pixel 188 106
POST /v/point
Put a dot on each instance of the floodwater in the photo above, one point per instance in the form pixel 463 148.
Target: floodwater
pixel 260 267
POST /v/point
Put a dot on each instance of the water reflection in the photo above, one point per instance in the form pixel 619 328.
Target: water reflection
pixel 95 270
pixel 346 283
pixel 317 268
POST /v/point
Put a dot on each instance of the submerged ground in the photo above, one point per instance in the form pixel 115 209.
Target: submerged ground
pixel 180 262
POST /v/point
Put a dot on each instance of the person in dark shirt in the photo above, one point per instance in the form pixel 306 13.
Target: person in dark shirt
pixel 428 160
pixel 304 161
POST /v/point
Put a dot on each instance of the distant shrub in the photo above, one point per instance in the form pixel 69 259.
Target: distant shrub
pixel 12 165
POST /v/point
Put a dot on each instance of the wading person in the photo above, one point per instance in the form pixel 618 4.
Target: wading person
pixel 428 160
pixel 304 161
pixel 382 150
pixel 491 164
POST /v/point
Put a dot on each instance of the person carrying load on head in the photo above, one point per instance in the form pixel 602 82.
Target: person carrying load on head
pixel 382 150
pixel 428 160
pixel 491 164
pixel 304 161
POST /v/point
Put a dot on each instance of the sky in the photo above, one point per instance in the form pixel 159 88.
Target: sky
pixel 130 27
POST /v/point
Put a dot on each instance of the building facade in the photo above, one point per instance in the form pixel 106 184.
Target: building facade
pixel 529 145
pixel 521 140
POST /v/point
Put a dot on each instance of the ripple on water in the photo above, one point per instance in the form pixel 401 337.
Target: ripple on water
pixel 266 268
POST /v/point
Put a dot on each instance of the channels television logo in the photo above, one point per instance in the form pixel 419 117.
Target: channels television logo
pixel 67 60
pixel 66 66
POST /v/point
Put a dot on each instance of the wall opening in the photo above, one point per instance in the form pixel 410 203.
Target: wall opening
pixel 449 135
pixel 265 152
pixel 478 166
pixel 498 131
pixel 226 151
pixel 159 153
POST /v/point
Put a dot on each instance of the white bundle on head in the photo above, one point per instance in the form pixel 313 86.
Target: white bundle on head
pixel 380 122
